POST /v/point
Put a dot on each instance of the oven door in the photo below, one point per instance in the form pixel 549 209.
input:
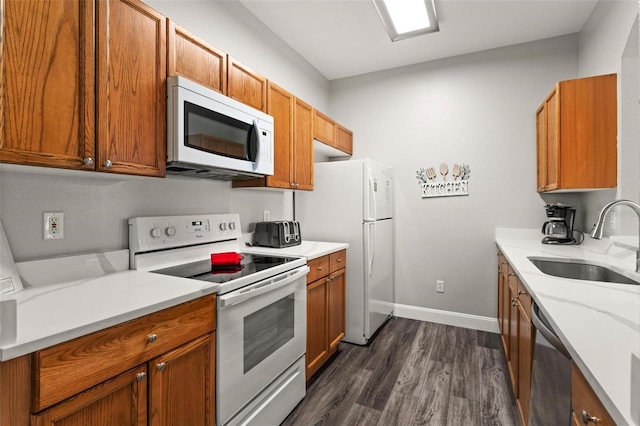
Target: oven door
pixel 261 331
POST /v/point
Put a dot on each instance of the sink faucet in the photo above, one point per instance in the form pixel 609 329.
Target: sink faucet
pixel 599 226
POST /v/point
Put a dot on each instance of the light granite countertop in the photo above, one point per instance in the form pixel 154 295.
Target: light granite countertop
pixel 73 296
pixel 598 322
pixel 309 249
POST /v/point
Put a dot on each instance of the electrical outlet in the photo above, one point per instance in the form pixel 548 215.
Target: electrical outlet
pixel 440 286
pixel 53 225
pixel 265 216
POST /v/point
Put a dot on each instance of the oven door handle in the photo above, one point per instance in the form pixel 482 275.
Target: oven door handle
pixel 262 287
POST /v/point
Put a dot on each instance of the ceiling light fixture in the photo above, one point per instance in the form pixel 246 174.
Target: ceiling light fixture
pixel 407 18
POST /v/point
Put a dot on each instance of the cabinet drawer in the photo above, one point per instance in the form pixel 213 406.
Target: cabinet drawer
pixel 318 268
pixel 71 367
pixel 337 260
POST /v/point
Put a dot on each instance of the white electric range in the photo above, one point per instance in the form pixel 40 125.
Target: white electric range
pixel 261 311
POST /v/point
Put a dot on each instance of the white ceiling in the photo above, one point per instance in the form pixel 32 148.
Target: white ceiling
pixel 342 38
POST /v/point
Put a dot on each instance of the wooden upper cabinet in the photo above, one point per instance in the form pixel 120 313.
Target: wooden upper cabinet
pixel 303 146
pixel 327 131
pixel 344 139
pixel 195 59
pixel 324 128
pixel 131 89
pixel 246 86
pixel 293 143
pixel 47 88
pixel 577 135
pixel 280 107
pixel 76 102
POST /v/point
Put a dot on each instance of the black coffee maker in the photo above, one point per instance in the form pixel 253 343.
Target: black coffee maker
pixel 559 228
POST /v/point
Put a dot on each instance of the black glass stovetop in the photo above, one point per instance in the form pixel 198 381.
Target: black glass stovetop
pixel 203 270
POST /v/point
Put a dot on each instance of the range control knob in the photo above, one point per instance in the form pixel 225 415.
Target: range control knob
pixel 170 231
pixel 223 226
pixel 156 232
pixel 232 225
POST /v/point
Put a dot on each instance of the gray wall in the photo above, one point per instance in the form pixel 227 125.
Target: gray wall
pixel 607 44
pixel 477 109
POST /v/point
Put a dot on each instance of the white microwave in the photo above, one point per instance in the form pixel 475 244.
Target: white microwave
pixel 210 135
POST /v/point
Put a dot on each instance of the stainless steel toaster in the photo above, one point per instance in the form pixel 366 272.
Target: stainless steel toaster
pixel 277 234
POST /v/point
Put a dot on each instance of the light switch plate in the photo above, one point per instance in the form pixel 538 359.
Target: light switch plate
pixel 53 225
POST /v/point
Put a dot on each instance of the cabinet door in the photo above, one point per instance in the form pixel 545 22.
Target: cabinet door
pixel 280 106
pixel 500 294
pixel 344 139
pixel 182 384
pixel 585 402
pixel 324 128
pixel 194 58
pixel 336 306
pixel 116 402
pixel 246 86
pixel 525 362
pixel 513 336
pixel 317 344
pixel 548 145
pixel 47 89
pixel 131 89
pixel 541 146
pixel 303 146
pixel 553 143
pixel 506 310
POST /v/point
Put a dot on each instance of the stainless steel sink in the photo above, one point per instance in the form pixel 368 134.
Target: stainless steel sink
pixel 581 270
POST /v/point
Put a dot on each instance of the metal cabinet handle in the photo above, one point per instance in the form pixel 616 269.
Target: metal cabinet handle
pixel 161 366
pixel 586 418
pixel 152 338
pixel 141 376
pixel 319 268
pixel 88 161
pixel 339 260
pixel 107 163
pixel 521 292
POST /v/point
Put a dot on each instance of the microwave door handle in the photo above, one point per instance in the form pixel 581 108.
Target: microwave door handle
pixel 254 144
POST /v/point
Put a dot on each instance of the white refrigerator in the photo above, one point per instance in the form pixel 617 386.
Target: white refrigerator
pixel 352 202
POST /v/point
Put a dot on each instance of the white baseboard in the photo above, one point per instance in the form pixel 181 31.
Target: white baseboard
pixel 456 319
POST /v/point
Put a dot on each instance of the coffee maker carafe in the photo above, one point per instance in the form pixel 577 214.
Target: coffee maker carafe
pixel 559 228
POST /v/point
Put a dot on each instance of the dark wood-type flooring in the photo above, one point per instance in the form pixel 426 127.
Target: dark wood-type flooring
pixel 413 373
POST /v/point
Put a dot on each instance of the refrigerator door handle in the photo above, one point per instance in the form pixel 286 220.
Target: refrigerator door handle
pixel 371 212
pixel 372 245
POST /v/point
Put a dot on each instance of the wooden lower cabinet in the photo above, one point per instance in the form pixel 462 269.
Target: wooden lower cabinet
pixel 336 307
pixel 326 287
pixel 119 401
pixel 182 384
pixel 586 407
pixel 517 333
pixel 157 370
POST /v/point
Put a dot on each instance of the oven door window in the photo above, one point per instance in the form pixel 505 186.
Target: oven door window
pixel 219 134
pixel 267 330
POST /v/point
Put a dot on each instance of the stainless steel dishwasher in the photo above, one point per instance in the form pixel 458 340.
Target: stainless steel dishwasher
pixel 550 376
